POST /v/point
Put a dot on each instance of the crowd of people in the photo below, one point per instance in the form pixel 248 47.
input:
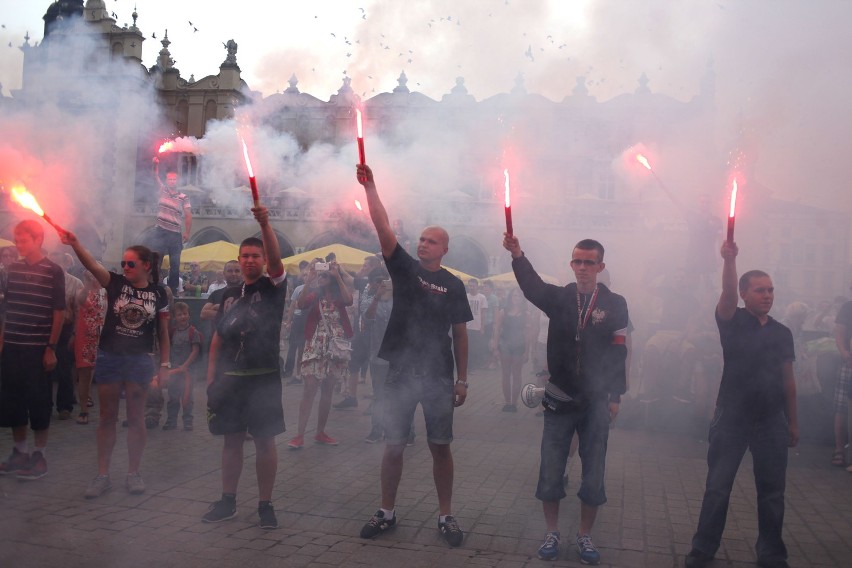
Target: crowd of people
pixel 418 333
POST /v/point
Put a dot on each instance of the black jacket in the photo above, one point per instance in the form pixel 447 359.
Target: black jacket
pixel 602 350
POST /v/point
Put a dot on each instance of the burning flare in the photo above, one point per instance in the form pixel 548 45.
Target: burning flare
pixel 506 185
pixel 246 156
pixel 733 200
pixel 167 146
pixel 358 205
pixel 27 200
pixel 644 161
pixel 358 120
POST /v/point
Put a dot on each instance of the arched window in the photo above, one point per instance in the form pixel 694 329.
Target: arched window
pixel 182 117
pixel 210 112
pixel 208 235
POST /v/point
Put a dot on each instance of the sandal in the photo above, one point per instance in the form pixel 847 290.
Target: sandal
pixel 837 459
pixel 83 418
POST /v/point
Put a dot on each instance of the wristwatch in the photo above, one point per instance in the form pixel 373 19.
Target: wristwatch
pixel 462 383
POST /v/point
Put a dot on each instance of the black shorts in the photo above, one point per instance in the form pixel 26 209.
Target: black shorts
pixel 250 404
pixel 26 394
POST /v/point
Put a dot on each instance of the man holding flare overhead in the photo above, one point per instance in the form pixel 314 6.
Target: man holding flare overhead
pixel 428 304
pixel 586 355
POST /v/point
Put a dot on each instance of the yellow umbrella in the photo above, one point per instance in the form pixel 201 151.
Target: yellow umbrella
pixel 464 276
pixel 210 257
pixel 349 258
pixel 509 278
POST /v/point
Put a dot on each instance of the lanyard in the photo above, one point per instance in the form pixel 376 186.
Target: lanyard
pixel 583 318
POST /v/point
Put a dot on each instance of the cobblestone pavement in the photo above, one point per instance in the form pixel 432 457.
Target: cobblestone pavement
pixel 324 495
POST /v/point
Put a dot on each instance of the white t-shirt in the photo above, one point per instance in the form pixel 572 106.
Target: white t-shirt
pixel 477 304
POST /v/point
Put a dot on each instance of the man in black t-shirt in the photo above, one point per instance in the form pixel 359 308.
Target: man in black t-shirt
pixel 428 303
pixel 755 410
pixel 243 379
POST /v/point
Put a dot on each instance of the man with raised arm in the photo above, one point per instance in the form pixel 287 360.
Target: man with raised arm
pixel 586 354
pixel 428 304
pixel 755 410
pixel 243 378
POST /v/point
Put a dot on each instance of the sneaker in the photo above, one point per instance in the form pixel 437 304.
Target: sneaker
pixel 347 402
pixel 36 469
pixel 697 559
pixel 98 486
pixel 17 461
pixel 150 423
pixel 550 549
pixel 377 525
pixel 323 438
pixel 169 425
pixel 64 414
pixel 134 483
pixel 773 564
pixel 268 520
pixel 221 510
pixel 587 551
pixel 374 437
pixel 294 381
pixel 297 442
pixel 450 531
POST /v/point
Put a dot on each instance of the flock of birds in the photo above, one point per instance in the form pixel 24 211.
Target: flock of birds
pixel 350 47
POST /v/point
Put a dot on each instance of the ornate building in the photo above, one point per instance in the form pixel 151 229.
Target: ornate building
pixel 565 157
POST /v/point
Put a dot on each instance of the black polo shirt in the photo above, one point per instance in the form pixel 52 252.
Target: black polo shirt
pixel 754 355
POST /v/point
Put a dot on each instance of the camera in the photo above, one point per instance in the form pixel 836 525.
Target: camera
pixel 321 267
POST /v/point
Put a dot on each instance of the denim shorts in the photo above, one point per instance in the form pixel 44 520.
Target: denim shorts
pixel 404 389
pixel 591 425
pixel 116 368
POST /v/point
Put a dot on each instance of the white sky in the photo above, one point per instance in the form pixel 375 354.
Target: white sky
pixel 785 66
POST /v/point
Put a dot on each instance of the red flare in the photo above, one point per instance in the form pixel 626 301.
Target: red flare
pixel 644 161
pixel 508 202
pixel 361 155
pixel 252 180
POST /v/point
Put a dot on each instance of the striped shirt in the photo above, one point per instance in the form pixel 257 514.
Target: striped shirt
pixel 170 209
pixel 33 293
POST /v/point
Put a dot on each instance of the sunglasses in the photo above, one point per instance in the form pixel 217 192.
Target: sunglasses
pixel 583 262
pixel 128 263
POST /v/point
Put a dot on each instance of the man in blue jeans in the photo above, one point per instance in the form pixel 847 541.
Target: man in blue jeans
pixel 586 356
pixel 174 222
pixel 755 410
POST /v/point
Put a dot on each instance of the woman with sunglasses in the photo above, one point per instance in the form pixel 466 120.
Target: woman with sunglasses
pixel 324 299
pixel 136 316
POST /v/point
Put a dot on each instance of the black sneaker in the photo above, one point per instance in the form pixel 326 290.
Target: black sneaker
pixel 347 402
pixel 268 520
pixel 36 469
pixel 221 510
pixel 16 462
pixel 169 425
pixel 377 525
pixel 374 437
pixel 450 531
pixel 697 559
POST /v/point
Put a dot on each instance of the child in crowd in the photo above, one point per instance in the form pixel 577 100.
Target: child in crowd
pixel 185 348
